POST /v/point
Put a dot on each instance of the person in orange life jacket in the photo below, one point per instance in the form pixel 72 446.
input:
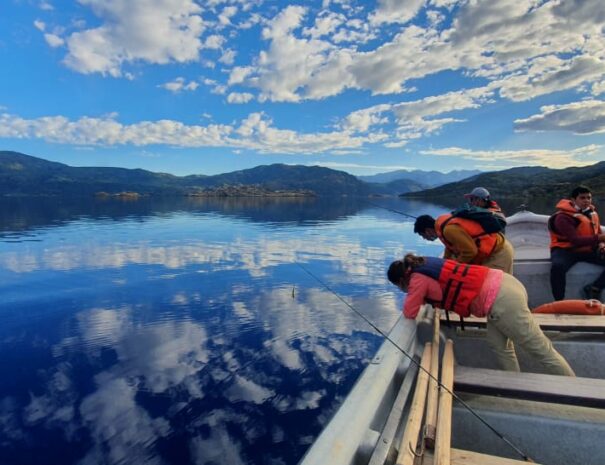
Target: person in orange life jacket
pixel 575 236
pixel 479 197
pixel 483 292
pixel 466 242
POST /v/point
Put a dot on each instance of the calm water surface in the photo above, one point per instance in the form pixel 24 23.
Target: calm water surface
pixel 177 332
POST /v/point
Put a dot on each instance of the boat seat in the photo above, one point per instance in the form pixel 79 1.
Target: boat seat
pixel 588 392
pixel 548 322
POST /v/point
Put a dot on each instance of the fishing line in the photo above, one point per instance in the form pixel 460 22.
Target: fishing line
pixel 391 210
pixel 413 360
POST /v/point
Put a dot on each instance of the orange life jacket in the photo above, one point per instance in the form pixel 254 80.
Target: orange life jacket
pixel 485 242
pixel 460 282
pixel 584 226
pixel 494 207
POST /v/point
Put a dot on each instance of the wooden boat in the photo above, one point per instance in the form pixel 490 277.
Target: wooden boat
pixel 554 420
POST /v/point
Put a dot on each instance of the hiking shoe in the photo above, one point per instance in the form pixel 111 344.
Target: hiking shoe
pixel 591 292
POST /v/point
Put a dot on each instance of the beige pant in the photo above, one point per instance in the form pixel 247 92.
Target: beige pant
pixel 502 259
pixel 510 322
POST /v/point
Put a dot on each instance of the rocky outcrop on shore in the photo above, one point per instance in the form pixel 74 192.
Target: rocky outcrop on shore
pixel 241 190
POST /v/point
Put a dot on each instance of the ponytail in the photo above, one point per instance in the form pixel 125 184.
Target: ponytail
pixel 401 269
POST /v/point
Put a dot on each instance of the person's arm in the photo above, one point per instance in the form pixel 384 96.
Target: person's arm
pixel 464 247
pixel 420 288
pixel 565 226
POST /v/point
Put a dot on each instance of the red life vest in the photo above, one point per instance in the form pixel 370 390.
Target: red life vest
pixel 586 227
pixel 485 242
pixel 460 282
pixel 494 207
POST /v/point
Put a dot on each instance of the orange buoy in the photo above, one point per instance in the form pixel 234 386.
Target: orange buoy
pixel 572 307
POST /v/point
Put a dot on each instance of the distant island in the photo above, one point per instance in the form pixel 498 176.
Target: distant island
pixel 25 175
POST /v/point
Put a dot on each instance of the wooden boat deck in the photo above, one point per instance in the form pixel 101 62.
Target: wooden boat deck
pixel 576 323
pixel 587 392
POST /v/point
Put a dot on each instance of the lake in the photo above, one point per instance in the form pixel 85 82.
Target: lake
pixel 189 331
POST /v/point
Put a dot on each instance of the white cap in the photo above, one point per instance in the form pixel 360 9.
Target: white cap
pixel 480 192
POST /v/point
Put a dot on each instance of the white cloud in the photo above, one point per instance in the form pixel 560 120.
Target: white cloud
pixel 236 97
pixel 525 48
pixel 255 132
pixel 46 6
pixel 239 74
pixel 179 84
pixel 581 156
pixel 325 24
pixel 228 57
pixel 133 30
pixel 362 120
pixel 214 41
pixel 557 76
pixel 584 117
pixel 396 11
pixel 40 25
pixel 598 88
pixel 292 64
pixel 53 40
pixel 226 15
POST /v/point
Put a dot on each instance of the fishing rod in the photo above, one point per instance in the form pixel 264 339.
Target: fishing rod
pixel 415 362
pixel 391 210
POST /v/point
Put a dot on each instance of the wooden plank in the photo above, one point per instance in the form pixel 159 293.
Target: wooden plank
pixel 588 392
pixel 409 442
pixel 466 457
pixel 428 435
pixel 385 441
pixel 584 323
pixel 443 437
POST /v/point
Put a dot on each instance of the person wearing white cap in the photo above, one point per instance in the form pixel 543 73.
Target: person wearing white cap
pixel 465 240
pixel 479 197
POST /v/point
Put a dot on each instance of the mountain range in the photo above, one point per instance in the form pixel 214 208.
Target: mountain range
pixel 523 182
pixel 424 178
pixel 24 175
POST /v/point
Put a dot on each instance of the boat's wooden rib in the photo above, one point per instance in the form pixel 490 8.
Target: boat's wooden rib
pixel 576 323
pixel 428 435
pixel 588 392
pixel 409 442
pixel 385 442
pixel 443 437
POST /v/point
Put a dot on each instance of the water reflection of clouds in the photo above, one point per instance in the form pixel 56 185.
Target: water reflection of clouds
pixel 121 430
pixel 356 260
pixel 163 354
pixel 305 333
pixel 167 357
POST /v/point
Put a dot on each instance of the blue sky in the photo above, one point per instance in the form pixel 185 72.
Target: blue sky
pixel 206 87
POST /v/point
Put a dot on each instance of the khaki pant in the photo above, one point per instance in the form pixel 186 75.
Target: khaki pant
pixel 502 259
pixel 510 322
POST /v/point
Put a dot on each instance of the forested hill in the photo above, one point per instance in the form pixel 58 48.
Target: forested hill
pixel 322 181
pixel 26 175
pixel 524 182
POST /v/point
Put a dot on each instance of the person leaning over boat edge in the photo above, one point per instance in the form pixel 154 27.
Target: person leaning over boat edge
pixel 466 241
pixel 575 236
pixel 480 197
pixel 479 291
